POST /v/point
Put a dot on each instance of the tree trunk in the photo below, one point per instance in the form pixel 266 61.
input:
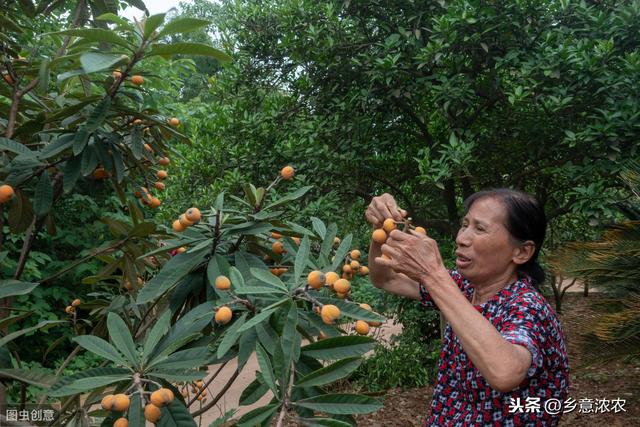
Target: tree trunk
pixel 449 195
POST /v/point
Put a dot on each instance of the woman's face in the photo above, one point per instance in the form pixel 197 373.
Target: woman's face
pixel 485 250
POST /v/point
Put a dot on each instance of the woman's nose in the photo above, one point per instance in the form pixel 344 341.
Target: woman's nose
pixel 462 239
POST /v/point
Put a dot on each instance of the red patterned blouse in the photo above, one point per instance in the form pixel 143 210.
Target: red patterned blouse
pixel 462 397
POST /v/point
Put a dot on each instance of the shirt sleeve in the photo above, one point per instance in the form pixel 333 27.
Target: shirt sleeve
pixel 427 302
pixel 522 325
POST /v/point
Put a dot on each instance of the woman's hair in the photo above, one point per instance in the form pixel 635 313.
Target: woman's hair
pixel 525 221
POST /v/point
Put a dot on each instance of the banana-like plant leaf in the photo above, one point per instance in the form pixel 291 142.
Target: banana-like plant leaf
pixel 102 348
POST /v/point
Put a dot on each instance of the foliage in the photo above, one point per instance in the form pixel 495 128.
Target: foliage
pixel 613 265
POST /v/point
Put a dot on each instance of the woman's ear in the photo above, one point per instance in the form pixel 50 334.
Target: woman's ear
pixel 524 252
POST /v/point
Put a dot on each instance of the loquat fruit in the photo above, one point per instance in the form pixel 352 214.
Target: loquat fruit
pixel 76 302
pixel 177 226
pixel 365 306
pixel 184 221
pixel 164 161
pixel 341 295
pixel 364 270
pixel 278 248
pixel 296 240
pixel 174 121
pixel 316 279
pixel 159 185
pixel 287 173
pixel 355 254
pixel 137 80
pixel 421 230
pixel 336 241
pixel 116 74
pixel 161 397
pixel 70 309
pixel 223 283
pixel 389 225
pixel 276 235
pixel 193 214
pixel 379 236
pixel 181 250
pixel 121 422
pixel 354 265
pixel 152 413
pixel 331 277
pixel 223 315
pixel 137 122
pixel 154 202
pixel 100 173
pixel 121 402
pixel 330 312
pixel 148 148
pixel 342 286
pixel 162 174
pixel 362 327
pixel 347 268
pixel 107 402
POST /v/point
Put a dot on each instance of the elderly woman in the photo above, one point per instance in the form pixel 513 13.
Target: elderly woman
pixel 503 360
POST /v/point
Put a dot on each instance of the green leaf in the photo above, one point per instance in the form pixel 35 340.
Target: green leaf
pixel 185 48
pixel 155 335
pixel 135 414
pixel 29 376
pixel 152 23
pixel 341 252
pixel 258 416
pixel 290 336
pixel 301 259
pixel 290 197
pixel 102 348
pixel 237 281
pixel 184 359
pixel 85 384
pixel 98 114
pixel 174 270
pixel 10 287
pixel 260 317
pixel 267 277
pixel 121 338
pixel 88 373
pixel 254 290
pixel 45 324
pixel 329 237
pixel 266 370
pixel 176 415
pixel 112 17
pixel 183 25
pixel 231 335
pixel 339 347
pixel 319 227
pixel 331 373
pixel 7 144
pixel 95 35
pixel 80 140
pixel 92 61
pixel 341 404
pixel 56 146
pixel 43 196
pixel 72 170
pixel 253 392
pixel 194 321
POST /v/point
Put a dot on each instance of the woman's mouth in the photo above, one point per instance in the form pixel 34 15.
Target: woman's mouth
pixel 462 261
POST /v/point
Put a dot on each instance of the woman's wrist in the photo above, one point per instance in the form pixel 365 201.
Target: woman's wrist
pixel 428 280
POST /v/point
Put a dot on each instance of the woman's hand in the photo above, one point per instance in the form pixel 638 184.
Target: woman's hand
pixel 415 255
pixel 383 207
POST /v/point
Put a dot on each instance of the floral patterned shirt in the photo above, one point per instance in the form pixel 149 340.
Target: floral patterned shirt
pixel 462 397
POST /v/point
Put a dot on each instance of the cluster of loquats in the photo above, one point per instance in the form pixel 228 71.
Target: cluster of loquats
pixel 380 235
pixel 277 247
pixel 152 411
pixel 197 388
pixel 130 287
pixel 70 309
pixel 190 217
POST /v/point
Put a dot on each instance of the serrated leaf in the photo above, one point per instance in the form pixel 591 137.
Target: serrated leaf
pixel 231 335
pixel 319 227
pixel 339 347
pixel 85 384
pixel 253 392
pixel 290 197
pixel 152 23
pixel 174 270
pixel 56 146
pixel 72 170
pixel 266 369
pixel 102 348
pixel 10 287
pixel 95 35
pixel 341 403
pixel 185 48
pixel 29 376
pixel 183 25
pixel 80 140
pixel 98 114
pixel 155 335
pixel 290 344
pixel 267 277
pixel 176 415
pixel 258 416
pixel 135 414
pixel 7 144
pixel 331 373
pixel 43 196
pixel 260 317
pixel 122 339
pixel 301 259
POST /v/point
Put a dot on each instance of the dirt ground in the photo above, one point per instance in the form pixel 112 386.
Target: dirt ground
pixel 605 381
